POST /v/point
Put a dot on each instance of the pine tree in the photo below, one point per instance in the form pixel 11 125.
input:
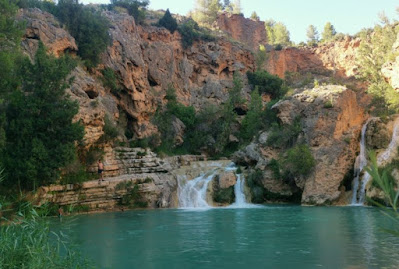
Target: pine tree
pixel 281 34
pixel 312 34
pixel 255 16
pixel 168 22
pixel 269 24
pixel 251 123
pixel 328 33
pixel 206 11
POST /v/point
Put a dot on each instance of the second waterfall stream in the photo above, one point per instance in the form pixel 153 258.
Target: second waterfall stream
pixel 194 185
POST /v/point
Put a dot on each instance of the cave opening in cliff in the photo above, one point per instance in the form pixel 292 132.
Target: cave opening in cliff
pixel 152 81
pixel 92 94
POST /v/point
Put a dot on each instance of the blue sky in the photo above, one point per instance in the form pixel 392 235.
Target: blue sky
pixel 347 16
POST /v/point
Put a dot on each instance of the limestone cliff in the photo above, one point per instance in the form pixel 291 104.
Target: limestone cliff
pixel 331 120
pixel 335 59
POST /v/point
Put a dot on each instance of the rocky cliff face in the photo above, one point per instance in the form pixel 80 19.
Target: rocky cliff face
pixel 331 119
pixel 248 31
pixel 335 58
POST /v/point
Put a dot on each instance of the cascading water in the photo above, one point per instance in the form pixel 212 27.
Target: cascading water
pixel 361 162
pixel 193 193
pixel 382 159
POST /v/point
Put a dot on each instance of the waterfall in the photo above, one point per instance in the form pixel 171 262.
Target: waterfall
pixel 360 163
pixel 382 159
pixel 240 201
pixel 192 193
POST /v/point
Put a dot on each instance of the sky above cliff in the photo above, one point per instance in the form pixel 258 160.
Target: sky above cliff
pixel 347 16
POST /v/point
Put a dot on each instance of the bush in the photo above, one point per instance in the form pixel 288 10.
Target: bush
pixel 267 83
pixel 274 165
pixel 251 124
pixel 168 22
pixel 298 161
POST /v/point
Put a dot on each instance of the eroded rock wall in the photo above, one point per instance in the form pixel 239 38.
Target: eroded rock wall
pixel 250 32
pixel 335 59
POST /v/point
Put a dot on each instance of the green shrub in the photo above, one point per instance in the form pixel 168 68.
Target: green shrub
pixel 251 124
pixel 168 22
pixel 93 155
pixel 298 161
pixel 267 83
pixel 75 173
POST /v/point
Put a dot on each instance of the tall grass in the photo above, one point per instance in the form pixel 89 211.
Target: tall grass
pixel 382 179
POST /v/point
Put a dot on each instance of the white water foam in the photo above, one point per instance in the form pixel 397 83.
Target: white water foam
pixel 360 163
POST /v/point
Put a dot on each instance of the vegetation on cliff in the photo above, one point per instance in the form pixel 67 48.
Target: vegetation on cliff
pixel 375 50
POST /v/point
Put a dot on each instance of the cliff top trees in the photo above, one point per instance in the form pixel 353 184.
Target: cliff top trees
pixel 254 16
pixel 206 11
pixel 312 35
pixel 328 32
pixel 277 33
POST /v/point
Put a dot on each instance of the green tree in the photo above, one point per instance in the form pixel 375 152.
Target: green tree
pixel 251 123
pixel 87 26
pixel 206 11
pixel 298 161
pixel 168 22
pixel 328 32
pixel 260 57
pixel 254 16
pixel 10 34
pixel 40 135
pixel 277 33
pixel 312 34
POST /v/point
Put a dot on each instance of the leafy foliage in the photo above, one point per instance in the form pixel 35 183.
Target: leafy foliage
pixel 110 80
pixel 298 161
pixel 223 196
pixel 267 83
pixel 40 134
pixel 133 198
pixel 168 22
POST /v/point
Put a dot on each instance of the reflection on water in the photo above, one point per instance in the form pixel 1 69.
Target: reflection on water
pixel 264 237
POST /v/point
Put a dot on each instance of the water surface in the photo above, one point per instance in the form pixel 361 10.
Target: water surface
pixel 264 237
